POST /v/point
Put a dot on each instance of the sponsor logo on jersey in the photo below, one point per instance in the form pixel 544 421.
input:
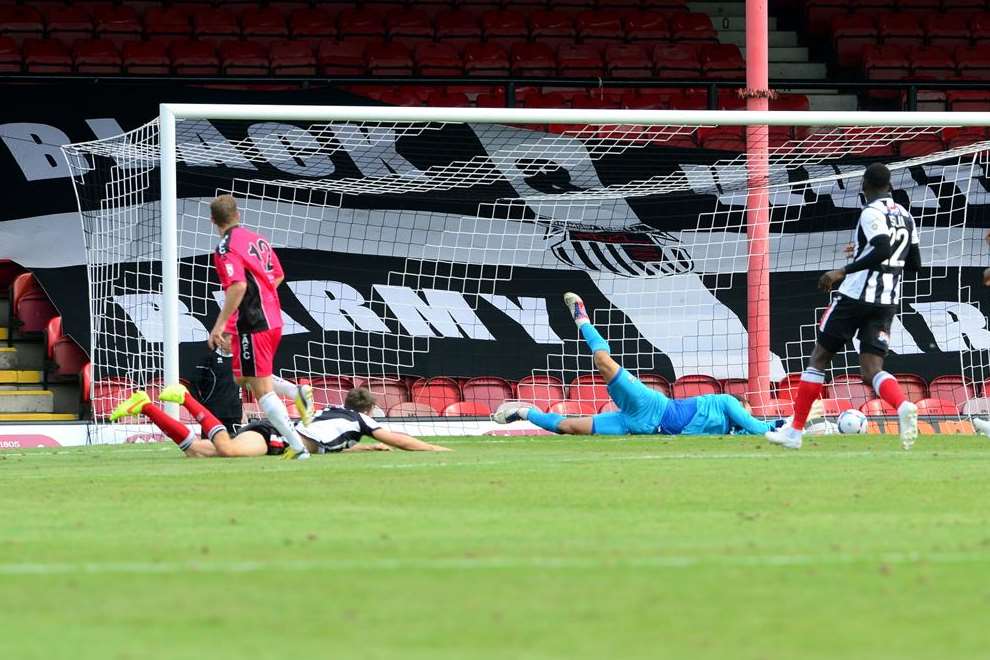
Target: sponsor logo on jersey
pixel 230 270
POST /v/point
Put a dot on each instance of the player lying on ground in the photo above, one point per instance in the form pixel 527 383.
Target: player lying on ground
pixel 864 306
pixel 251 319
pixel 641 410
pixel 333 430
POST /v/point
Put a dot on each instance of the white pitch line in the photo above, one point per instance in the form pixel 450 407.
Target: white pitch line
pixel 483 563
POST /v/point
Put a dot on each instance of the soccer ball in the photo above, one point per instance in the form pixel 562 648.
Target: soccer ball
pixel 852 421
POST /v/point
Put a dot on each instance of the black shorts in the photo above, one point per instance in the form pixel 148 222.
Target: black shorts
pixel 846 318
pixel 276 446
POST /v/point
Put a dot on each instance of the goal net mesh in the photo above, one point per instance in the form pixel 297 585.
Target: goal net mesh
pixel 439 251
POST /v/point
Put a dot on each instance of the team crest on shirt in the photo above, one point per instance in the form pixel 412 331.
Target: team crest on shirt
pixel 230 270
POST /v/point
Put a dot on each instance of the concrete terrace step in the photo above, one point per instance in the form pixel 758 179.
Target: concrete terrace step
pixel 723 23
pixel 26 401
pixel 787 54
pixel 796 70
pixel 8 358
pixel 38 417
pixel 19 377
pixel 778 39
pixel 833 102
pixel 4 333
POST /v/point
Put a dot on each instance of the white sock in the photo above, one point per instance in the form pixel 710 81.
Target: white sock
pixel 277 414
pixel 900 408
pixel 523 413
pixel 283 387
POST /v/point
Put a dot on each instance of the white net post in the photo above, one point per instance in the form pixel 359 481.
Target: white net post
pixel 170 252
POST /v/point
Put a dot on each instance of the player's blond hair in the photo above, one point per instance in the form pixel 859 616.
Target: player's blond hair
pixel 223 210
pixel 360 400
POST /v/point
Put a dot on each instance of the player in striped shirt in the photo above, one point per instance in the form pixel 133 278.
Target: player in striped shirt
pixel 334 430
pixel 864 306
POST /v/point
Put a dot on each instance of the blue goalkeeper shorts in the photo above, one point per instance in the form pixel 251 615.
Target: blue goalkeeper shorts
pixel 640 408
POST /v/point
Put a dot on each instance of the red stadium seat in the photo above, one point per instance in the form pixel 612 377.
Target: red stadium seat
pixel 46 56
pixel 438 392
pixel 292 58
pixel 403 96
pixel 787 387
pixel 412 409
pixel 214 23
pixel 388 58
pixel 921 6
pixel 490 390
pixel 852 388
pixel 694 28
pixel 695 385
pixel 457 26
pixel 964 137
pixel 979 26
pixel 886 63
pixel 777 408
pixel 409 24
pixel 974 62
pixel 939 407
pixel 588 387
pixel 947 30
pixel 951 388
pixel 264 24
pixel 877 407
pixel 819 14
pixel 581 408
pixel 107 394
pixel 504 25
pixel 68 24
pixel 646 26
pixel 314 24
pixel 146 58
pixel 735 386
pixel 364 22
pixel 552 28
pixel 86 383
pixel 914 387
pixel 485 60
pixel 968 101
pixel 900 29
pixel 791 102
pixel 96 56
pixel 932 61
pixel 330 390
pixel 541 391
pixel 244 58
pixel 579 61
pixel 921 145
pixel 194 58
pixel 438 60
pixel 628 61
pixel 21 21
pixel 850 35
pixel 835 407
pixel 599 24
pixel 64 354
pixel 723 138
pixel 467 409
pixel 723 62
pixel 342 57
pixel 677 61
pixel 656 382
pixel 388 392
pixel 118 23
pixel 169 22
pixel 533 60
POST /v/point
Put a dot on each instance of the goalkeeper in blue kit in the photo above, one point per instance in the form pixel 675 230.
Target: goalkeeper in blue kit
pixel 641 410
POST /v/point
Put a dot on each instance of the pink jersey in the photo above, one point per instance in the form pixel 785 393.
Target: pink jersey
pixel 244 256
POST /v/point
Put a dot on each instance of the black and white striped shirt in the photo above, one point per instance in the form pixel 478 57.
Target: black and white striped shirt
pixel 881 285
pixel 337 429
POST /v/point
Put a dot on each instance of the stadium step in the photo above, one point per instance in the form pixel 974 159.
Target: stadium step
pixel 19 377
pixel 833 102
pixel 795 70
pixel 8 358
pixel 38 417
pixel 723 23
pixel 4 334
pixel 778 39
pixel 26 401
pixel 786 54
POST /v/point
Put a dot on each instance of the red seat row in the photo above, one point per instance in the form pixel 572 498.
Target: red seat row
pixel 819 14
pixel 360 57
pixel 851 388
pixel 411 23
pixel 852 33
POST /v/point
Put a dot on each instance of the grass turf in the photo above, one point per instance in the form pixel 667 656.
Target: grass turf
pixel 513 548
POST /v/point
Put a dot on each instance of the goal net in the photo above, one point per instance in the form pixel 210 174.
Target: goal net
pixel 426 256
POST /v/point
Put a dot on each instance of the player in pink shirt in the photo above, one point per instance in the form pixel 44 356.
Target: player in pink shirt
pixel 250 323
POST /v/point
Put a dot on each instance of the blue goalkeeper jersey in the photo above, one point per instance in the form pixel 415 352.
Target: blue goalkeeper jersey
pixel 711 414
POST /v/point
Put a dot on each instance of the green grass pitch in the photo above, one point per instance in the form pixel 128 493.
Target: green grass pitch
pixel 528 548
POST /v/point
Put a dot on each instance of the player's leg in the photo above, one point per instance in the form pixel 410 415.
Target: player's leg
pixel 873 346
pixel 247 444
pixel 207 420
pixel 253 364
pixel 301 394
pixel 553 422
pixel 139 403
pixel 600 350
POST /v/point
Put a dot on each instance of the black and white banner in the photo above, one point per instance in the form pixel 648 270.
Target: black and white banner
pixel 669 266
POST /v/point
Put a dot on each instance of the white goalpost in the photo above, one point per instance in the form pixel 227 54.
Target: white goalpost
pixel 431 241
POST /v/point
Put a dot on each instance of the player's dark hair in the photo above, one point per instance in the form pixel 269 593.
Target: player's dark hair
pixel 360 400
pixel 223 210
pixel 877 178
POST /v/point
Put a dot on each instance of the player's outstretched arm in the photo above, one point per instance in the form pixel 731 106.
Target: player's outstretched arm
pixel 403 441
pixel 740 418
